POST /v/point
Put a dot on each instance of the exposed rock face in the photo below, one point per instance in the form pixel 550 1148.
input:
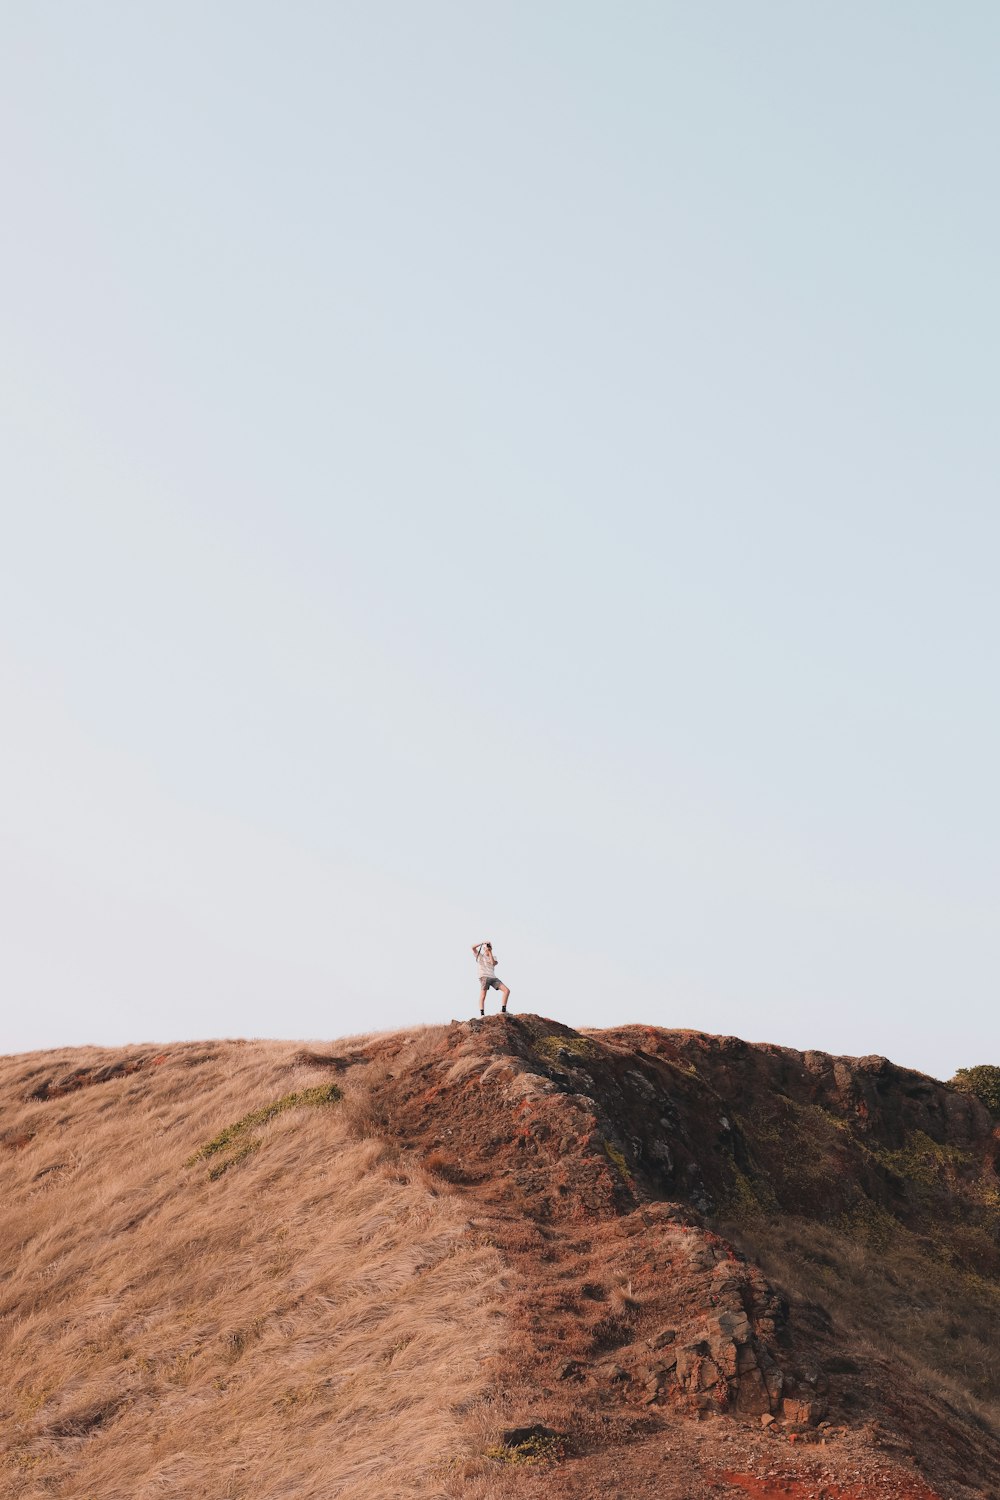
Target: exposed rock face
pixel 703 1120
pixel 635 1143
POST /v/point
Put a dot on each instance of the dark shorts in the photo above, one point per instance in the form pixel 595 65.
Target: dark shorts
pixel 489 982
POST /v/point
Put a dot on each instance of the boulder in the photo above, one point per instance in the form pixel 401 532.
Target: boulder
pixel 752 1398
pixel 802 1411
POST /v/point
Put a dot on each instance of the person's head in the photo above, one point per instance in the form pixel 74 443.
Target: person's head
pixel 489 946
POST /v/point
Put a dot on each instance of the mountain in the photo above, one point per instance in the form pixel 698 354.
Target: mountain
pixel 492 1259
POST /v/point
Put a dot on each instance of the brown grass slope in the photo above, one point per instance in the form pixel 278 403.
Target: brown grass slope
pixel 289 1314
pixel 708 1268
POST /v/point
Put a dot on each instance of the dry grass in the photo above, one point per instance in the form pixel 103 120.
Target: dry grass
pixel 884 1285
pixel 314 1322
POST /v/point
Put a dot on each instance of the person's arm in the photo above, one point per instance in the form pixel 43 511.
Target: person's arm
pixel 475 948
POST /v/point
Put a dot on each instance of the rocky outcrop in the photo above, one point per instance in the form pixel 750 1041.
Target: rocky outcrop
pixel 640 1145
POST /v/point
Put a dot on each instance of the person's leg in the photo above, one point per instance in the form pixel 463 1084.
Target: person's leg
pixel 482 999
pixel 504 997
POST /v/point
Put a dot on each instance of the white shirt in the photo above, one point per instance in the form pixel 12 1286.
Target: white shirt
pixel 487 963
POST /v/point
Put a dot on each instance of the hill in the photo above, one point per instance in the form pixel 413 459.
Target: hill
pixel 494 1259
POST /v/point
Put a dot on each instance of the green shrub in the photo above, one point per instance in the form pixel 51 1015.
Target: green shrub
pixel 618 1159
pixel 578 1046
pixel 983 1081
pixel 546 1448
pixel 234 1137
pixel 221 1167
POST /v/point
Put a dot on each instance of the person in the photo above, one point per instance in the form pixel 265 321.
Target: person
pixel 487 962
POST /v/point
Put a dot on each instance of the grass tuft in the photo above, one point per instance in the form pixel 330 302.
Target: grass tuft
pixel 533 1450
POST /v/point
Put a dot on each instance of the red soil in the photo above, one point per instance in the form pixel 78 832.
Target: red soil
pixel 880 1487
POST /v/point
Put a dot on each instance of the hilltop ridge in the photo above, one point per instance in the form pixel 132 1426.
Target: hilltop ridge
pixel 497 1258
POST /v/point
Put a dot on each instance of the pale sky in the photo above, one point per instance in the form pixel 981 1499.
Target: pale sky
pixel 523 470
